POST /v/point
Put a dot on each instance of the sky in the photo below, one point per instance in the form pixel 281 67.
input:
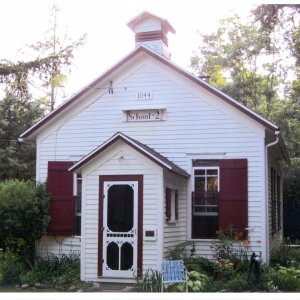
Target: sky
pixel 108 37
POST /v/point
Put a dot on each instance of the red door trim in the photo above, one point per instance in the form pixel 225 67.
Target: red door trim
pixel 139 179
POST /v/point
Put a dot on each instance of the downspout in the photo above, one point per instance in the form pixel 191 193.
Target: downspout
pixel 267 192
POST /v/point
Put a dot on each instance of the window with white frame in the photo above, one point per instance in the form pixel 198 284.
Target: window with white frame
pixel 205 196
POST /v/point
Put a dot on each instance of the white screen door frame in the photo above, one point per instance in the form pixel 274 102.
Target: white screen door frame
pixel 120 246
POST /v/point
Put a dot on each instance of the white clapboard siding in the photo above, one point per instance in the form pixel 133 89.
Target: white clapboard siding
pixel 196 123
pixel 57 246
pixel 152 203
pixel 176 232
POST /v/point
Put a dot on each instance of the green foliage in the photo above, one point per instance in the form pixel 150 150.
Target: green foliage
pixel 200 264
pixel 196 281
pixel 60 47
pixel 285 255
pixel 231 270
pixel 55 272
pixel 291 204
pixel 179 251
pixel 51 272
pixel 258 65
pixel 151 281
pixel 285 279
pixel 11 267
pixel 281 255
pixel 17 160
pixel 230 57
pixel 23 216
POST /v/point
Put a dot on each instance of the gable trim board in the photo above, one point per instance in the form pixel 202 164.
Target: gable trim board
pixel 143 149
pixel 33 130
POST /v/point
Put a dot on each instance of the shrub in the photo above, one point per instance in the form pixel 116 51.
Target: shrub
pixel 54 272
pixel 23 216
pixel 281 255
pixel 151 281
pixel 200 264
pixel 180 251
pixel 11 267
pixel 286 279
pixel 196 281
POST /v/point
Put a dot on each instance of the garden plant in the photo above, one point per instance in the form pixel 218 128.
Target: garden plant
pixel 234 268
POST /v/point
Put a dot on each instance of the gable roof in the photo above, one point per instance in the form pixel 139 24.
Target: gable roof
pixel 144 49
pixel 142 148
pixel 143 15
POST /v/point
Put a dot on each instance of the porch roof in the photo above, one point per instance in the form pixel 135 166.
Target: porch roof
pixel 140 147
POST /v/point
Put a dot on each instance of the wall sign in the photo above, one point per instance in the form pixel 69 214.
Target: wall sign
pixel 144 115
pixel 144 95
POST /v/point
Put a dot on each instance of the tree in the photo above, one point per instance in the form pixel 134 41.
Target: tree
pixel 17 160
pixel 23 216
pixel 48 70
pixel 259 65
pixel 55 44
pixel 18 109
pixel 232 57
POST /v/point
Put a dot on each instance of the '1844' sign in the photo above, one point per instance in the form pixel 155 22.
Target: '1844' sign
pixel 144 95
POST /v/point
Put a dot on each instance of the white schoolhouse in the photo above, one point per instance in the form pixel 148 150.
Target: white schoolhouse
pixel 148 156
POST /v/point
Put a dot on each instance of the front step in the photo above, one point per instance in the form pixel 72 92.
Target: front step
pixel 117 280
pixel 109 287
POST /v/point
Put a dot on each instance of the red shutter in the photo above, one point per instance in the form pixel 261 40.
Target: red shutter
pixel 168 204
pixel 62 205
pixel 233 201
pixel 176 206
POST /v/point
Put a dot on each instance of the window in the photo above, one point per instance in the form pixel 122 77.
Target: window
pixel 219 197
pixel 205 202
pixel 273 200
pixel 275 196
pixel 78 198
pixel 171 205
pixel 278 203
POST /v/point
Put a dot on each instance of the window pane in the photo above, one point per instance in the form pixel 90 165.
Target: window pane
pixel 200 184
pixel 79 195
pixel 126 256
pixel 212 172
pixel 212 184
pixel 212 209
pixel 204 227
pixel 120 208
pixel 77 225
pixel 200 172
pixel 79 186
pixel 112 256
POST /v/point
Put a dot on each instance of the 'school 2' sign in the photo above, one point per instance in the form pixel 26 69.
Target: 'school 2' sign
pixel 143 115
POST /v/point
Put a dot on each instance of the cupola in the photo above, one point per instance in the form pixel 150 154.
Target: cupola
pixel 152 31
